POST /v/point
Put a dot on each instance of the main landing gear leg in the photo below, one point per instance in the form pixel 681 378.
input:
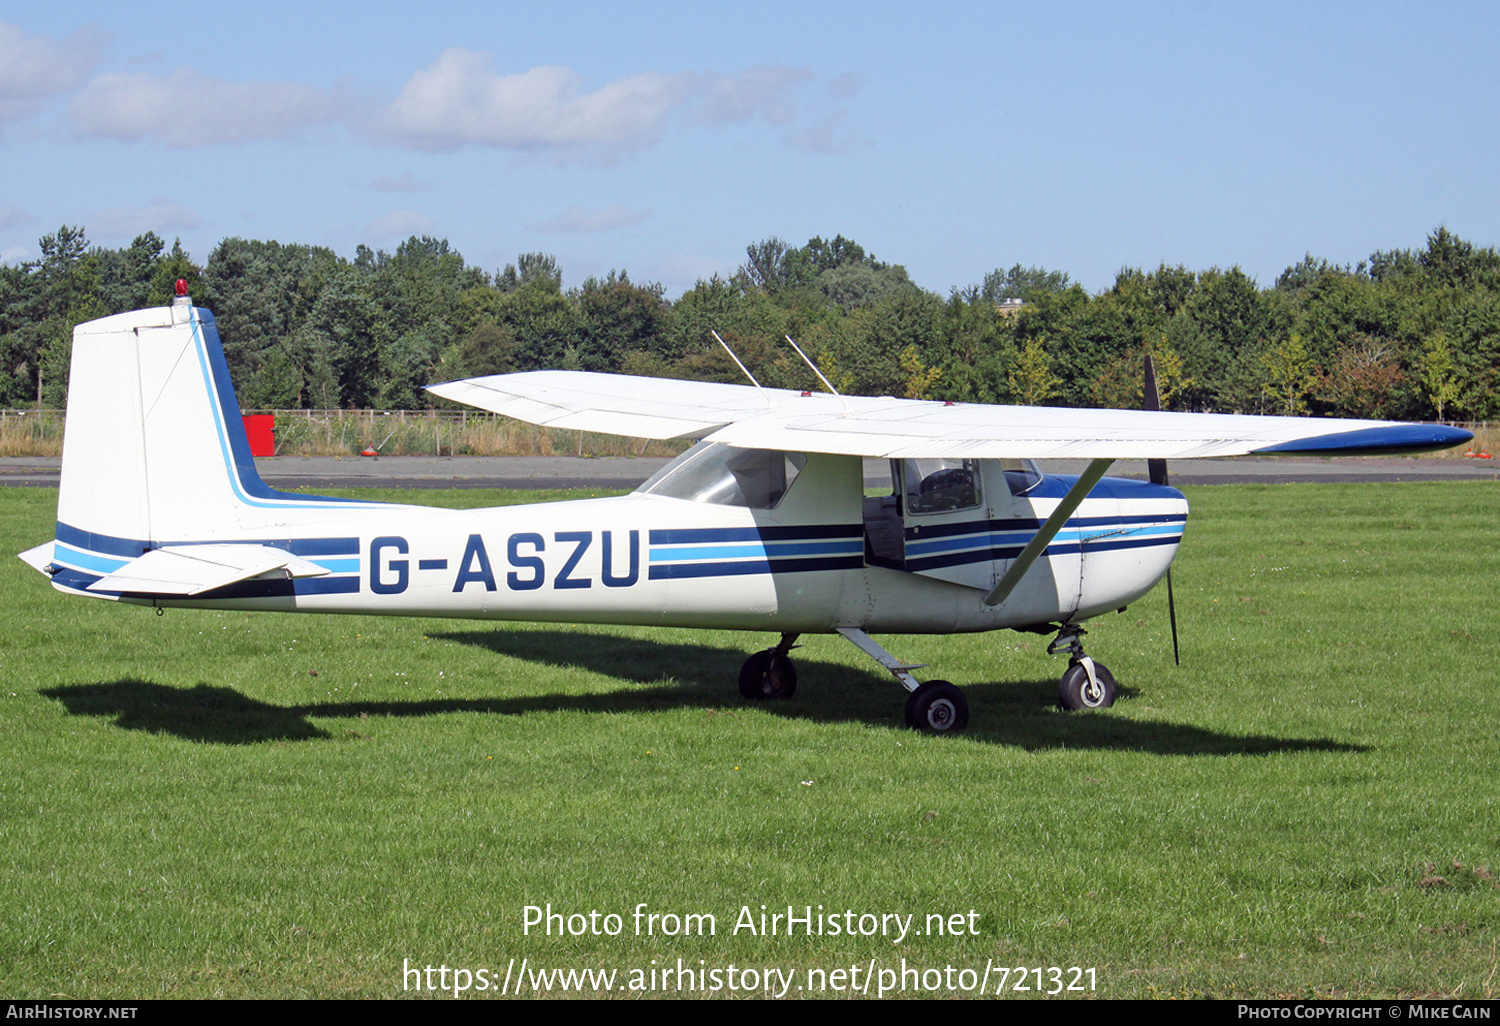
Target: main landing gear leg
pixel 936 706
pixel 1085 684
pixel 770 674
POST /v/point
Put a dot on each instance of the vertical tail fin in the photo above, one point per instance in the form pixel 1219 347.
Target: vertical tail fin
pixel 155 450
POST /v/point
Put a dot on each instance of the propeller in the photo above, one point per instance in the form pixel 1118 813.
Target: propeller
pixel 1156 470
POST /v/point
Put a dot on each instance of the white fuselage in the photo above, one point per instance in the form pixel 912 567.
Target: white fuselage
pixel 657 560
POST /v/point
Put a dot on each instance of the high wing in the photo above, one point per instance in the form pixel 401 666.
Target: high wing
pixel 769 418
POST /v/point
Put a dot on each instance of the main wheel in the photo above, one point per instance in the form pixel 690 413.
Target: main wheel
pixel 937 707
pixel 768 675
pixel 1076 691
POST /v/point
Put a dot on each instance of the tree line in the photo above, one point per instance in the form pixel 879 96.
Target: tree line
pixel 1406 334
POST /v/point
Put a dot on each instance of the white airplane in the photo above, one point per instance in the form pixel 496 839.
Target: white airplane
pixel 763 526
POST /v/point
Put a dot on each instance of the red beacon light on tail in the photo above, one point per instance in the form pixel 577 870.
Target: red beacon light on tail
pixel 182 303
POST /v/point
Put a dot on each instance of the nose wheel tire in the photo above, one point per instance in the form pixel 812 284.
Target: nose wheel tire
pixel 768 674
pixel 937 707
pixel 1078 692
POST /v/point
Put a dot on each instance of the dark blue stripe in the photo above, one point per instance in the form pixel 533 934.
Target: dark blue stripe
pixel 677 536
pixel 234 426
pixel 1055 486
pixel 1391 438
pixel 922 532
pixel 70 578
pixel 281 588
pixel 103 543
pixel 755 566
pixel 1012 551
pixel 133 547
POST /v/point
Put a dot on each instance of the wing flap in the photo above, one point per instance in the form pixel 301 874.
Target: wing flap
pixel 187 570
pixel 618 404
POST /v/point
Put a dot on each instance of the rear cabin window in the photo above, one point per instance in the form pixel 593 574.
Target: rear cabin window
pixel 726 475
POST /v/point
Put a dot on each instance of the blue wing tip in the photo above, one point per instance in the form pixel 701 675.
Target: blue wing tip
pixel 1387 440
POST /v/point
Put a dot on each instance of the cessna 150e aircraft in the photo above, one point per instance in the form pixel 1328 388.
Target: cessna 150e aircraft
pixel 763 526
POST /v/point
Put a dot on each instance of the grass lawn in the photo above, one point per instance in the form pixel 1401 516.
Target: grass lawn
pixel 252 804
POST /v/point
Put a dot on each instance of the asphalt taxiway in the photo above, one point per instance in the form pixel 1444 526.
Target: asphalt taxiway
pixel 626 473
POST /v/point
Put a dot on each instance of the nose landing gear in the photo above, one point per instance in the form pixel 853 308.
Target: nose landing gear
pixel 1085 684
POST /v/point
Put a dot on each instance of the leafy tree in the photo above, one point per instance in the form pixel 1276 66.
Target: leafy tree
pixel 616 317
pixel 542 320
pixel 1290 375
pixel 261 292
pixel 1439 373
pixel 1226 317
pixel 920 379
pixel 489 348
pixel 723 305
pixel 1032 381
pixel 870 351
pixel 1023 283
pixel 539 269
pixel 1364 380
pixel 763 264
pixel 167 271
pixel 851 286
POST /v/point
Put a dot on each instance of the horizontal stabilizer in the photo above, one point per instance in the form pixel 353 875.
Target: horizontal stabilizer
pixel 185 570
pixel 39 557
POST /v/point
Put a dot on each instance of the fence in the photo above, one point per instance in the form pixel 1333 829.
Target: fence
pixel 391 432
pixel 436 433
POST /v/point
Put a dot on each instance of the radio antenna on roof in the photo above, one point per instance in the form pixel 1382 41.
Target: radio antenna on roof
pixel 828 384
pixel 741 366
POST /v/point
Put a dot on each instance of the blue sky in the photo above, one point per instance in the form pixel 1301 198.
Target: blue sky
pixel 662 138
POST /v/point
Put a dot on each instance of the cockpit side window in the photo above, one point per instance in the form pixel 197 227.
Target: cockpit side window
pixel 726 475
pixel 940 486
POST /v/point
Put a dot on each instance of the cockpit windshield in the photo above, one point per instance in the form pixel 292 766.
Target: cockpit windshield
pixel 1021 475
pixel 726 475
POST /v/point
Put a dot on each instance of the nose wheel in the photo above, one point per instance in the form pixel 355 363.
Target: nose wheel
pixel 1082 690
pixel 1085 684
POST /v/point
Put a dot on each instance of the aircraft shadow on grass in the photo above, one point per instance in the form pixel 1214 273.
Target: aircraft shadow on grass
pixel 661 676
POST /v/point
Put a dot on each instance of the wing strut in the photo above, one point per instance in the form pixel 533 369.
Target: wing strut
pixel 1047 532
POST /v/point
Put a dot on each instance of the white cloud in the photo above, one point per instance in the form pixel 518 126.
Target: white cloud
pixel 766 91
pixel 460 101
pixel 189 108
pixel 161 216
pixel 828 134
pixel 33 69
pixel 398 224
pixel 846 85
pixel 577 219
pixel 824 128
pixel 14 255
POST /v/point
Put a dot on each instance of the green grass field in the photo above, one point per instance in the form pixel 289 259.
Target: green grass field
pixel 227 804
